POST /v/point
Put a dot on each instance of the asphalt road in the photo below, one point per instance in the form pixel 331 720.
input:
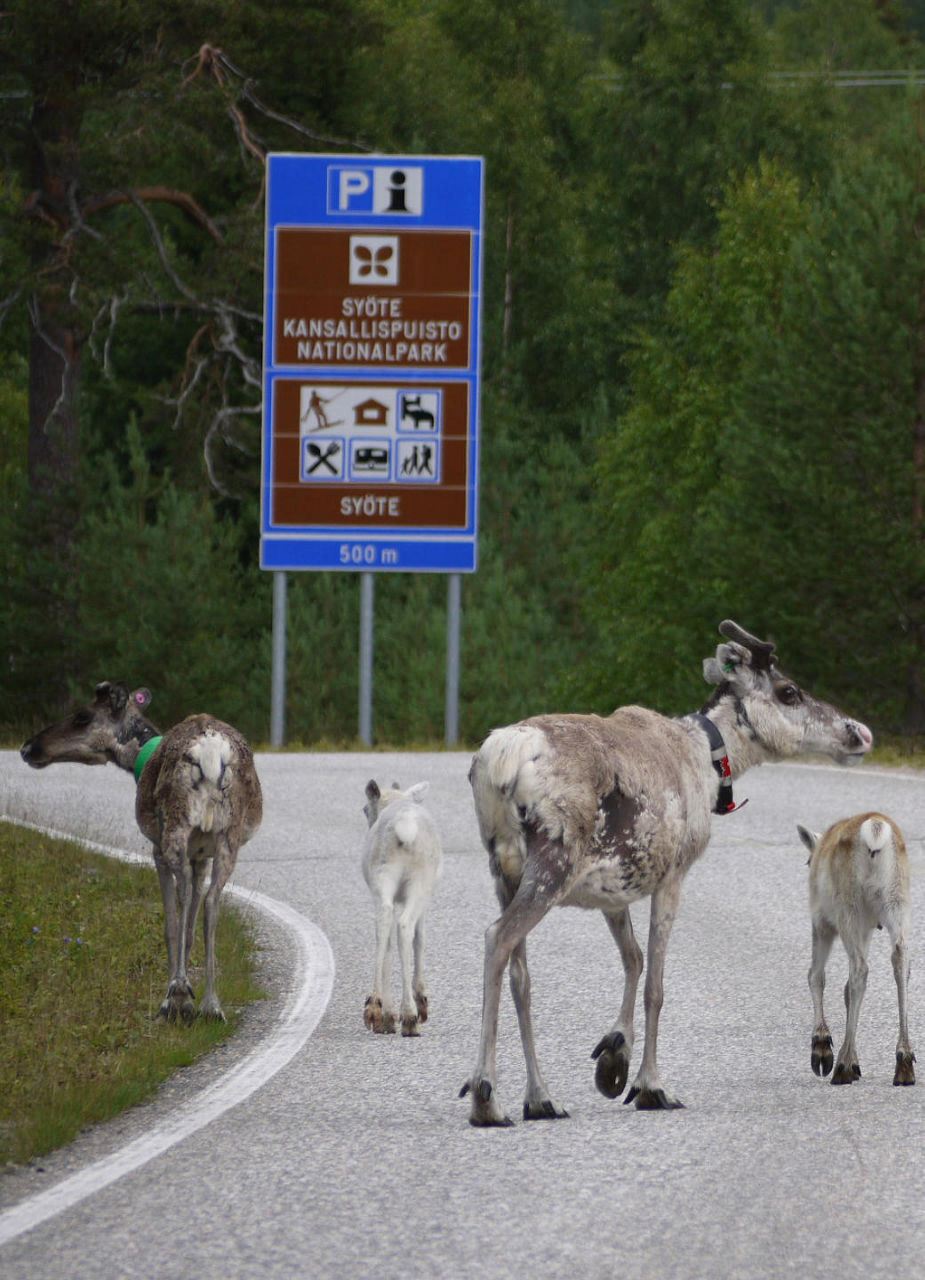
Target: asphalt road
pixel 355 1156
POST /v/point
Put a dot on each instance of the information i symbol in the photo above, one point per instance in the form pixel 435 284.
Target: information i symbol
pixel 397 202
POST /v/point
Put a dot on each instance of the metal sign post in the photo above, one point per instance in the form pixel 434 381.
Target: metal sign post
pixel 371 365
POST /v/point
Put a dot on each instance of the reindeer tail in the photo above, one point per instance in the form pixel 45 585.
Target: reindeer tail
pixel 210 755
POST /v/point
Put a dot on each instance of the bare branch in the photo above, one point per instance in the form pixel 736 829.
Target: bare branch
pixel 7 303
pixel 161 250
pixel 248 94
pixel 77 220
pixel 213 61
pixel 244 135
pixel 182 199
pixel 186 390
pixel 35 315
pixel 108 314
pixel 207 61
pixel 218 432
pixel 228 342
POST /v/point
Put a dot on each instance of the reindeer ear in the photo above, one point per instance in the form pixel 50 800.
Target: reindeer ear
pixel 372 790
pixel 418 791
pixel 141 697
pixel 729 665
pixel 809 838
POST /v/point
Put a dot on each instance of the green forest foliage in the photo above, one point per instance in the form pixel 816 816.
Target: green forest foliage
pixel 703 351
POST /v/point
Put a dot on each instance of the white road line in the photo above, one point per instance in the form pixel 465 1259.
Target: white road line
pixel 311 990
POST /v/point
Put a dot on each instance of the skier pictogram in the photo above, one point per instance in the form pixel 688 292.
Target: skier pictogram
pixel 316 406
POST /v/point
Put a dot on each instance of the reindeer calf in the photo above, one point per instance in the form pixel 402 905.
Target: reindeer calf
pixel 401 864
pixel 858 880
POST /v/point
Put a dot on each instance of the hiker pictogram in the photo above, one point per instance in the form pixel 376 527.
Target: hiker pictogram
pixel 418 461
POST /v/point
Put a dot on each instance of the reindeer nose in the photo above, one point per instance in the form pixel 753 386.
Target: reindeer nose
pixel 861 732
pixel 27 751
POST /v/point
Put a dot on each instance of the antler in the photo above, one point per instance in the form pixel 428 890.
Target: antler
pixel 763 651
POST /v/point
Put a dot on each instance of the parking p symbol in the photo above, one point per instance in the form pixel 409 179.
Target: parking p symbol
pixel 353 184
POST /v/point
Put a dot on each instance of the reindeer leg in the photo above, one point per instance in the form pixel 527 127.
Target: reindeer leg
pixel 538 1105
pixel 614 1050
pixel 522 913
pixel 199 877
pixel 647 1091
pixel 821 1056
pixel 378 1013
pixel 223 861
pixel 405 939
pixel 175 875
pixel 171 925
pixel 847 1067
pixel 905 1058
pixel 420 985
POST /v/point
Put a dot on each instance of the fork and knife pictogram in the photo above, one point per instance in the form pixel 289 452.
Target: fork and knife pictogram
pixel 322 457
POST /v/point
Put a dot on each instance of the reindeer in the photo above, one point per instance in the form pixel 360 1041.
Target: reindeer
pixel 412 408
pixel 597 812
pixel 401 864
pixel 858 880
pixel 198 799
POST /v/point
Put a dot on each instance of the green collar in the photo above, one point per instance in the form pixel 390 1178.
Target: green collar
pixel 145 754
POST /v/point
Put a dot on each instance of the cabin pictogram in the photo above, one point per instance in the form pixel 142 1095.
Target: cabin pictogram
pixel 371 413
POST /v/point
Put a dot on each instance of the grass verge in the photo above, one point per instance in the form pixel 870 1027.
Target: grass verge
pixel 82 976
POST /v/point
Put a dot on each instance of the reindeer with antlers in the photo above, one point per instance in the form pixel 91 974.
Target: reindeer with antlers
pixel 598 812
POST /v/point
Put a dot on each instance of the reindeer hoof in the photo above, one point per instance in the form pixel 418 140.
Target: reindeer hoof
pixel 480 1121
pixel 410 1026
pixel 613 1064
pixel 652 1100
pixel 178 1004
pixel 485 1114
pixel 421 1002
pixel 821 1057
pixel 846 1073
pixel 905 1071
pixel 173 1013
pixel 545 1109
pixel 377 1019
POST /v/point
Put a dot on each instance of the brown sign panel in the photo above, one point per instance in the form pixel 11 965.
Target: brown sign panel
pixel 371 299
pixel 385 453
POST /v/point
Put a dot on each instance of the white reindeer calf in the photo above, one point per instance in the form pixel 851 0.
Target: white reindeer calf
pixel 401 864
pixel 858 880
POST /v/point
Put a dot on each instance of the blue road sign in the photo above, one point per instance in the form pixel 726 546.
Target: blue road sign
pixel 371 363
